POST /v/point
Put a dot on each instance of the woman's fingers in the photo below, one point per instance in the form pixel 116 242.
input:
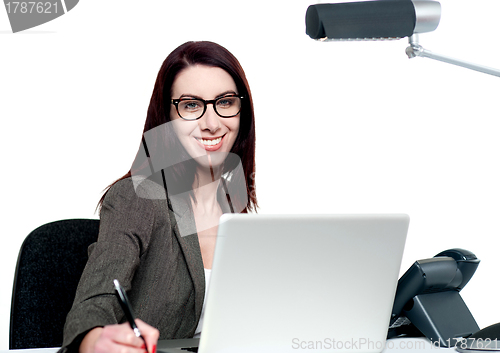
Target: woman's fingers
pixel 150 335
pixel 122 334
pixel 120 339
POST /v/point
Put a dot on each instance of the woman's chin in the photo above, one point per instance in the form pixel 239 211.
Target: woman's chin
pixel 212 159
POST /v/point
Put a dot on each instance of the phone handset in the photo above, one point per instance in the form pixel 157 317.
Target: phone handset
pixel 428 302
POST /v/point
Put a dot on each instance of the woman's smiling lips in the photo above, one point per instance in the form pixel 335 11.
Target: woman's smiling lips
pixel 210 143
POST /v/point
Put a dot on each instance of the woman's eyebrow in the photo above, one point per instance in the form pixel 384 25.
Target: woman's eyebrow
pixel 225 93
pixel 189 95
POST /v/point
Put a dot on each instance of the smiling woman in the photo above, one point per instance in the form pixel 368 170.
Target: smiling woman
pixel 206 130
pixel 158 223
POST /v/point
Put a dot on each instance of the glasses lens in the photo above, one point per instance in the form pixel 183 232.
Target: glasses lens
pixel 228 106
pixel 191 109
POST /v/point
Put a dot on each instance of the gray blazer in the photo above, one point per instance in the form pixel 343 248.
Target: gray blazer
pixel 144 244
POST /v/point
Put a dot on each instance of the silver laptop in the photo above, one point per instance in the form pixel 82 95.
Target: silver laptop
pixel 291 283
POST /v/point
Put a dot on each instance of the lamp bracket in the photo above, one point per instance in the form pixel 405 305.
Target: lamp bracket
pixel 415 49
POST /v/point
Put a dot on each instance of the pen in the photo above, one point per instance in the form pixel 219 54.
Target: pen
pixel 124 303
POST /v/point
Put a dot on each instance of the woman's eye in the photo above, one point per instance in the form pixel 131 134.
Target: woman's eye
pixel 225 102
pixel 191 105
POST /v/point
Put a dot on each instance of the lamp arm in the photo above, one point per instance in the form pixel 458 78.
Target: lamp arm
pixel 415 49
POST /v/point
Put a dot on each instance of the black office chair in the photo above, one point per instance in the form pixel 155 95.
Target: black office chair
pixel 49 266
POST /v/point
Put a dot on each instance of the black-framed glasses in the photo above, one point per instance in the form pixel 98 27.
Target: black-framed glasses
pixel 194 108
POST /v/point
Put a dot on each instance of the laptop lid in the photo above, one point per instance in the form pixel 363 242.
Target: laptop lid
pixel 287 283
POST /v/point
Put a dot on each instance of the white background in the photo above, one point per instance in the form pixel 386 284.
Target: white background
pixel 341 127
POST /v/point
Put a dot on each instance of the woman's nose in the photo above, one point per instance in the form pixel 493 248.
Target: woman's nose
pixel 210 120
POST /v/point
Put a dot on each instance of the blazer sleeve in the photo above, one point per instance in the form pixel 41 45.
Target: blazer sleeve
pixel 126 225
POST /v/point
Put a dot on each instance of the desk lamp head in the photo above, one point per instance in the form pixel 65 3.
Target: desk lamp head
pixel 372 20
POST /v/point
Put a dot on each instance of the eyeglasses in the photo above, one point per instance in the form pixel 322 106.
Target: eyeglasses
pixel 194 108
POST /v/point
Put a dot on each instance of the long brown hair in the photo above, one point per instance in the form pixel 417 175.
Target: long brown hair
pixel 214 55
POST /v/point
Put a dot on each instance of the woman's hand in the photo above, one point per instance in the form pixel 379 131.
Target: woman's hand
pixel 120 338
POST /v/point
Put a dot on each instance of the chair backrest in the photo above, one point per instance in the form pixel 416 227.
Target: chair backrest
pixel 49 267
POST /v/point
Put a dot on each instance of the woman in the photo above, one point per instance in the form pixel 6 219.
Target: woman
pixel 159 221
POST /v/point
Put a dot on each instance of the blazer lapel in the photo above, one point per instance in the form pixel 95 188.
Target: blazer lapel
pixel 188 239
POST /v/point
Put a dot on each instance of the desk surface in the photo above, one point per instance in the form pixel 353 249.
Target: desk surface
pixel 394 345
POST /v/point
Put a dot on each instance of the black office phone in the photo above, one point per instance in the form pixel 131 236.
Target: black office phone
pixel 428 302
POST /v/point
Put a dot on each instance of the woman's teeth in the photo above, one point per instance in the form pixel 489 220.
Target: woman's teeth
pixel 210 142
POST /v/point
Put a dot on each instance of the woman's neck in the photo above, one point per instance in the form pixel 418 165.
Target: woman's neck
pixel 205 189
